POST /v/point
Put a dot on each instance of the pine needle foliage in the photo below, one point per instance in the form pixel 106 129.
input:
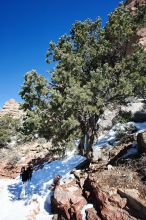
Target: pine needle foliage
pixel 95 66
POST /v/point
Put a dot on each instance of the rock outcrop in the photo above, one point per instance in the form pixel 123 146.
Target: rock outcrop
pixel 132 4
pixel 141 34
pixel 109 203
pixel 141 142
pixel 68 201
pixel 12 108
pixel 91 214
pixel 104 191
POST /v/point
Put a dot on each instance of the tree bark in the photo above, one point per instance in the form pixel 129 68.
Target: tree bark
pixel 89 150
pixel 81 147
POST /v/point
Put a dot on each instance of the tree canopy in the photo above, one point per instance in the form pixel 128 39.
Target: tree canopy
pixel 8 129
pixel 95 66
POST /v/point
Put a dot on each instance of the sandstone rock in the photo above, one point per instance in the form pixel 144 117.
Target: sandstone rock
pixel 118 201
pixel 141 142
pixel 141 34
pixel 135 202
pixel 110 206
pixel 110 167
pixel 132 4
pixel 68 201
pixel 12 108
pixel 91 214
pixel 110 212
pixel 55 217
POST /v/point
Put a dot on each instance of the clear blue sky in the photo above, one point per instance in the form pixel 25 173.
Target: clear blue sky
pixel 26 28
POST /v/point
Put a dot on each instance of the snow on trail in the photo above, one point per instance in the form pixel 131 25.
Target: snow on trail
pixel 37 200
pixel 110 137
pixel 37 191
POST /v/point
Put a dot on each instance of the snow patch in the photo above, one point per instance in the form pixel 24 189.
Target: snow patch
pixel 88 206
pixel 36 190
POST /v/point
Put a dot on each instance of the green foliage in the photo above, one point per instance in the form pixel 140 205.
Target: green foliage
pixel 122 131
pixel 140 17
pixel 93 69
pixel 8 127
pixel 34 91
pixel 123 117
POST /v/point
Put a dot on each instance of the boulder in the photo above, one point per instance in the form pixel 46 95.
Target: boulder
pixel 132 4
pixel 68 201
pixel 141 33
pixel 141 142
pixel 135 202
pixel 91 214
pixel 12 108
pixel 110 212
pixel 108 203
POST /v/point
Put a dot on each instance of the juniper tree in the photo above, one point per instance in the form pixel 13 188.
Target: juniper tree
pixel 9 127
pixel 93 69
pixel 35 93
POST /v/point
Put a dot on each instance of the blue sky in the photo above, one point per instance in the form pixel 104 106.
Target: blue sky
pixel 27 27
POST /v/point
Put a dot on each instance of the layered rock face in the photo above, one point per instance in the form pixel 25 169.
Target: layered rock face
pixel 11 107
pixel 68 201
pixel 132 5
pixel 141 142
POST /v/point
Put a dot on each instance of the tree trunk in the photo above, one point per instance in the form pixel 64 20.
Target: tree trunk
pixel 89 150
pixel 81 146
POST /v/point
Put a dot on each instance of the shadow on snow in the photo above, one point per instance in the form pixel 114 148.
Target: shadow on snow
pixel 43 178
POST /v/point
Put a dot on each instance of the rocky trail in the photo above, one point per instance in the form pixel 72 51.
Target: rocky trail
pixel 112 186
pixel 104 191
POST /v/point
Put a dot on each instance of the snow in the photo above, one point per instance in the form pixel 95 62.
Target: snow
pixel 36 190
pixel 131 151
pixel 88 206
pixel 141 127
pixel 110 137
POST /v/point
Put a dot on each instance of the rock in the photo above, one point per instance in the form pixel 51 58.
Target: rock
pixel 97 154
pixel 142 36
pixel 110 212
pixel 56 182
pixel 105 198
pixel 135 202
pixel 68 201
pixel 55 217
pixel 141 142
pixel 105 121
pixel 8 170
pixel 91 214
pixel 110 167
pixel 141 33
pixel 110 206
pixel 132 4
pixel 12 108
pixel 133 106
pixel 118 201
pixel 111 112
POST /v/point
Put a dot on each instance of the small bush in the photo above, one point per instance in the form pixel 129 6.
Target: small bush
pixel 123 117
pixel 14 159
pixel 124 130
